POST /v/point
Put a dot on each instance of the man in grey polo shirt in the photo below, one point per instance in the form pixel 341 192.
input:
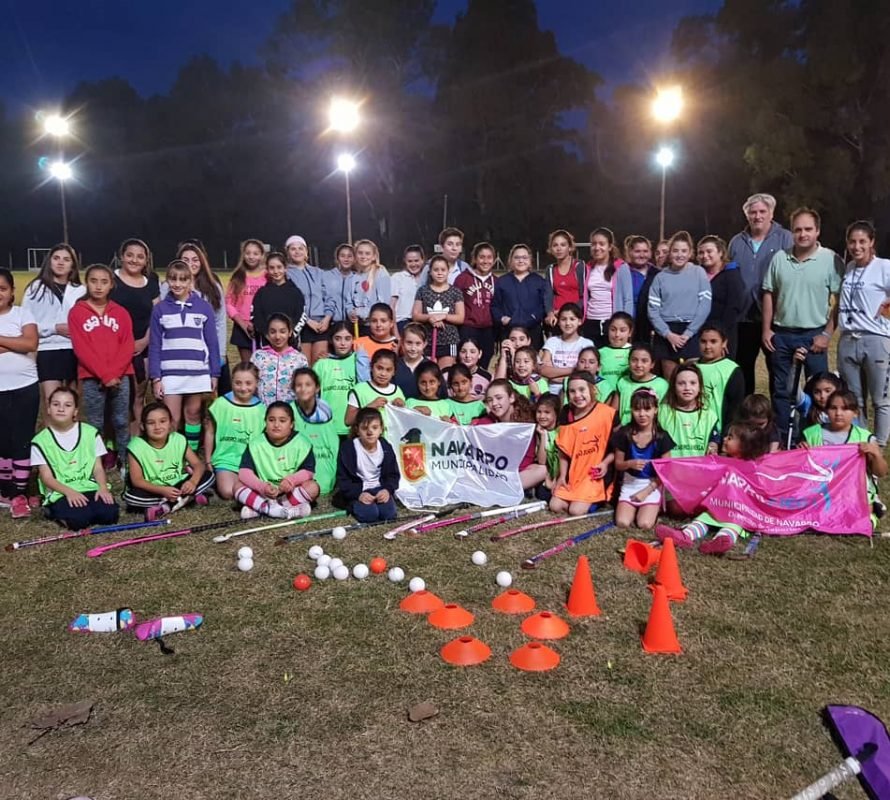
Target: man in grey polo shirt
pixel 752 250
pixel 798 311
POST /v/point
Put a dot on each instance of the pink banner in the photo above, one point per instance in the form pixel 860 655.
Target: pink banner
pixel 821 489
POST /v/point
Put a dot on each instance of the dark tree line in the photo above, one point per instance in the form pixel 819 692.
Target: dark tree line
pixel 787 97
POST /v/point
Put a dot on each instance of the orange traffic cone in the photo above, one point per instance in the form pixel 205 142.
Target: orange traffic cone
pixel 582 598
pixel 513 601
pixel 451 616
pixel 641 556
pixel 660 636
pixel 465 651
pixel 534 657
pixel 668 573
pixel 421 602
pixel 545 625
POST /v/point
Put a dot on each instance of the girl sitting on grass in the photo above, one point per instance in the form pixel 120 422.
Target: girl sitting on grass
pixel 277 472
pixel 367 470
pixel 583 442
pixel 465 407
pixel 429 388
pixel 162 467
pixel 68 456
pixel 635 446
pixel 546 417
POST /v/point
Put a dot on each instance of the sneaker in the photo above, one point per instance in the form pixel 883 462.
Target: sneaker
pixel 5 502
pixel 34 502
pixel 156 512
pixel 297 512
pixel 19 508
pixel 248 513
pixel 717 546
pixel 203 500
pixel 681 540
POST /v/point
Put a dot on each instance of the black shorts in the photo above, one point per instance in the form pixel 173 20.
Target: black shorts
pixel 140 364
pixel 56 365
pixel 309 336
pixel 663 351
pixel 240 339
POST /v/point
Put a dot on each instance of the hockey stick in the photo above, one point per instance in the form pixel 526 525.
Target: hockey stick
pixel 547 523
pixel 300 537
pixel 749 552
pixel 61 537
pixel 224 537
pixel 390 535
pixel 491 523
pixel 795 411
pixel 531 563
pixel 444 523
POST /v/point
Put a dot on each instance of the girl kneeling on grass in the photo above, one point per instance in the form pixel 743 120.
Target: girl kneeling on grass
pixel 843 409
pixel 636 445
pixel 378 391
pixel 232 421
pixel 277 470
pixel 429 389
pixel 741 441
pixel 583 442
pixel 68 456
pixel 505 404
pixel 162 467
pixel 313 421
pixel 367 470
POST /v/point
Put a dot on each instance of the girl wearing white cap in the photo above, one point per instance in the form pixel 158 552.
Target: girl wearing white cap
pixel 310 281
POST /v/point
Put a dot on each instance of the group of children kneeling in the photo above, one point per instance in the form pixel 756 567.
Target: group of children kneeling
pixel 602 416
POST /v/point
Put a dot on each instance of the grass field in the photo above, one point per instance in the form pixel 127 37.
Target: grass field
pixel 286 694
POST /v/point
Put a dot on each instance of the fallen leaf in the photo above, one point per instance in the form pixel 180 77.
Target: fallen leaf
pixel 422 711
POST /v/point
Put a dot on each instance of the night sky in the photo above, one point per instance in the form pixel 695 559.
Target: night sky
pixel 48 46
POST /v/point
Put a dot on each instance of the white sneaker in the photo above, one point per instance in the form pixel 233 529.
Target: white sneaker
pixel 296 512
pixel 276 510
pixel 248 513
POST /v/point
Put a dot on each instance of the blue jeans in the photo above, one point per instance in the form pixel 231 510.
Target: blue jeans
pixel 374 512
pixel 786 341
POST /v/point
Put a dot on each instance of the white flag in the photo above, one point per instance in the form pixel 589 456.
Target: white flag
pixel 442 463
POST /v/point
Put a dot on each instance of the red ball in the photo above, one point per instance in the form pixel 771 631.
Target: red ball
pixel 378 565
pixel 302 582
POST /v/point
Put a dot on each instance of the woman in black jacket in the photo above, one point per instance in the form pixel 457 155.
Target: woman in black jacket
pixel 727 288
pixel 279 296
pixel 367 470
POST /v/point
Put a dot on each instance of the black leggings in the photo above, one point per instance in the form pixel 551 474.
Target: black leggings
pixel 18 416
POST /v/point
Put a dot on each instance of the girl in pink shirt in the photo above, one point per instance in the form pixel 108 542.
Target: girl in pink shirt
pixel 247 279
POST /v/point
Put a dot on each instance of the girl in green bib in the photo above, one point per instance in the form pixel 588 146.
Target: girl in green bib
pixel 465 407
pixel 162 467
pixel 232 420
pixel 429 386
pixel 340 372
pixel 640 376
pixel 68 456
pixel 842 409
pixel 277 475
pixel 313 420
pixel 378 391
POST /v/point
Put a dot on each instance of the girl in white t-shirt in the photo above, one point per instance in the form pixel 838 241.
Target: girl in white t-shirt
pixel 560 354
pixel 19 397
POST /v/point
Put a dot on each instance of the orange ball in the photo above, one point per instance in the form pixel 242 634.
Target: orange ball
pixel 378 565
pixel 302 582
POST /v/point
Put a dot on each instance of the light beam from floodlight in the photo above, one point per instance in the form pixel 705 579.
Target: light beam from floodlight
pixel 664 158
pixel 668 104
pixel 346 163
pixel 343 115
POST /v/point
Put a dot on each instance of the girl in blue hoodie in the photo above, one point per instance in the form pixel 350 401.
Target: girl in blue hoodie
pixel 522 297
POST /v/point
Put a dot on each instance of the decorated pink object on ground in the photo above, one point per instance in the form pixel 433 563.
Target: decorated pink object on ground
pixel 820 489
pixel 162 626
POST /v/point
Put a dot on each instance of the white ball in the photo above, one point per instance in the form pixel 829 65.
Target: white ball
pixel 334 563
pixel 479 558
pixel 324 560
pixel 341 572
pixel 339 533
pixel 322 573
pixel 396 574
pixel 245 564
pixel 360 571
pixel 245 552
pixel 315 551
pixel 417 584
pixel 504 579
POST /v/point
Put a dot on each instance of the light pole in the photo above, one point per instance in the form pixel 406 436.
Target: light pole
pixel 664 158
pixel 346 163
pixel 59 127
